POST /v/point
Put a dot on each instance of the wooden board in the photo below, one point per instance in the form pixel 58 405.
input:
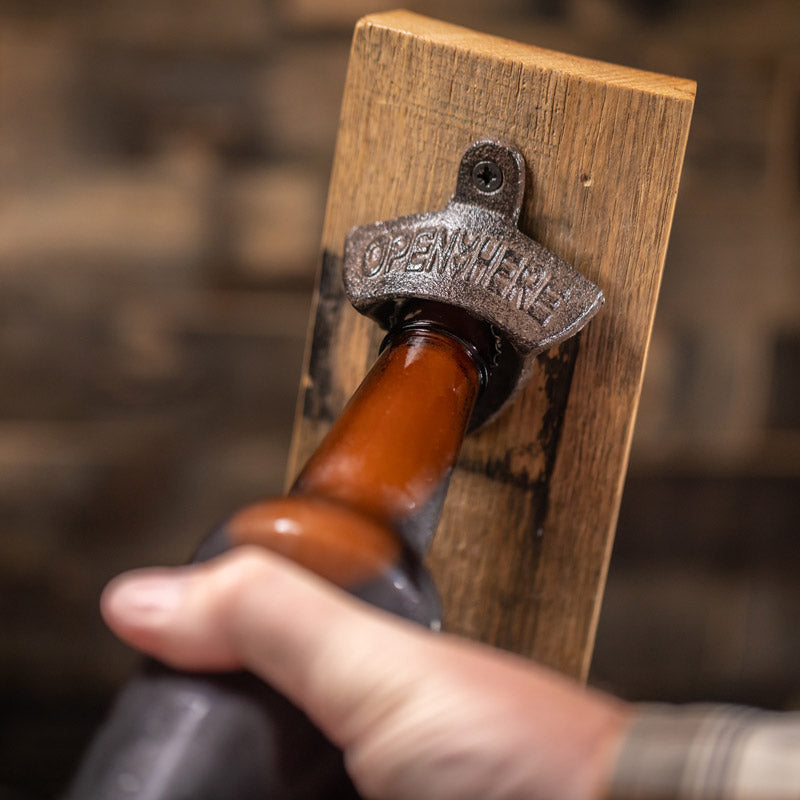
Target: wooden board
pixel 522 551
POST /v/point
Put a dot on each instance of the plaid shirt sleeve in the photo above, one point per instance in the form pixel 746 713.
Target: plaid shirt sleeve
pixel 709 752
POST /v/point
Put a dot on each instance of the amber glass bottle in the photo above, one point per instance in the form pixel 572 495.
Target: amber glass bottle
pixel 361 514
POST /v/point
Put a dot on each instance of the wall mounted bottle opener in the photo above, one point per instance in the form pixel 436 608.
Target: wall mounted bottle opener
pixel 472 256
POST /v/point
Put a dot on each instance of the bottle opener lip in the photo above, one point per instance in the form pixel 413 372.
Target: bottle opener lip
pixel 471 254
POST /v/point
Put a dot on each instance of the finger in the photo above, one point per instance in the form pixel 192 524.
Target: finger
pixel 253 609
pixel 167 613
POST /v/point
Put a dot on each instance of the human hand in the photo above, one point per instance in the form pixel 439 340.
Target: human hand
pixel 416 714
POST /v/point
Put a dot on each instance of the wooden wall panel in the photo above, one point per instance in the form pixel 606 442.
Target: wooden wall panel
pixel 522 550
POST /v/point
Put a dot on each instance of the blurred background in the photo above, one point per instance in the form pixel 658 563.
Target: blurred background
pixel 163 169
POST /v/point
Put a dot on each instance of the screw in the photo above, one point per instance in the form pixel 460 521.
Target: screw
pixel 487 176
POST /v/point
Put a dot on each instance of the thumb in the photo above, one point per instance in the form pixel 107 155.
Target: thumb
pixel 330 654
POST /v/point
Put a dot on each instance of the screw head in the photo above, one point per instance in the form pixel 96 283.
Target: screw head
pixel 487 177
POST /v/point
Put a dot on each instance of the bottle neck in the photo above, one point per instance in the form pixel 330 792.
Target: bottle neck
pixel 391 451
pixel 498 362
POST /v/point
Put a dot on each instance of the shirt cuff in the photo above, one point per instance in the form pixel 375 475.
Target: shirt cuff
pixel 708 752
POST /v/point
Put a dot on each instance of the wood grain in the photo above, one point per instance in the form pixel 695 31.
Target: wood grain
pixel 522 550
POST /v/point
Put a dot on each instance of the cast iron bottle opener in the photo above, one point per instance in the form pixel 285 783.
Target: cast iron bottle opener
pixel 468 301
pixel 471 255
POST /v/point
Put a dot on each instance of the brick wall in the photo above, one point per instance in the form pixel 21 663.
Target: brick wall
pixel 164 172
